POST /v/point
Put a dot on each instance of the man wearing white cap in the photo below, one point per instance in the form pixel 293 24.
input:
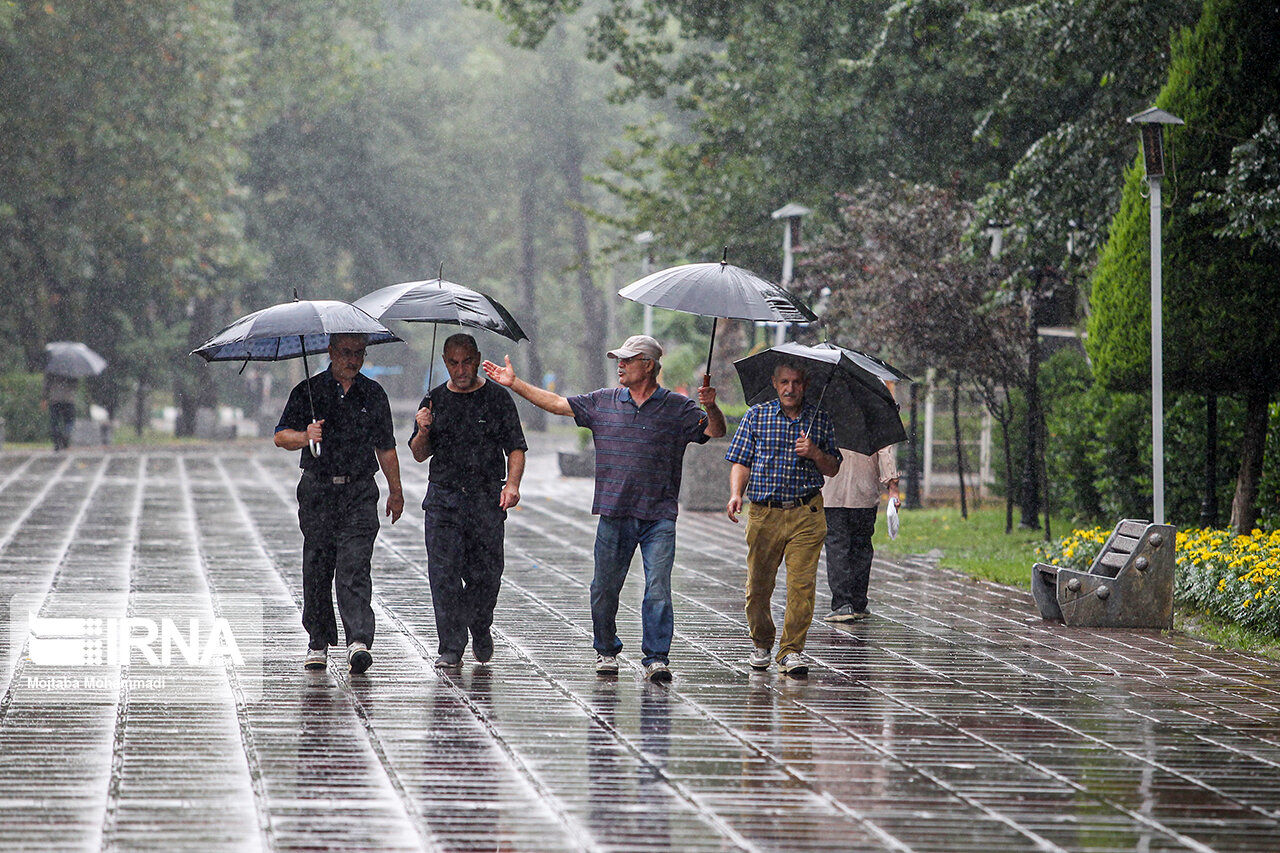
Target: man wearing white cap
pixel 640 431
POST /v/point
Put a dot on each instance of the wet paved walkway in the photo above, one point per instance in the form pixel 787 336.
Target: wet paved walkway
pixel 953 720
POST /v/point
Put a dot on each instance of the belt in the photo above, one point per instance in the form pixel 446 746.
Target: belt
pixel 791 504
pixel 335 481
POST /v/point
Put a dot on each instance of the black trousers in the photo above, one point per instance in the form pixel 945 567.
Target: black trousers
pixel 464 561
pixel 62 419
pixel 849 555
pixel 339 525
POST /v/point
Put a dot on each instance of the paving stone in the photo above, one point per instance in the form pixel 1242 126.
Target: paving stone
pixel 954 719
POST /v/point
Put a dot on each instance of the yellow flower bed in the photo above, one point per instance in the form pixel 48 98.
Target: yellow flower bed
pixel 1233 577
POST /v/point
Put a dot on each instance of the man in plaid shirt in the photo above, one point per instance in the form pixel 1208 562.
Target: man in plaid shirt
pixel 780 453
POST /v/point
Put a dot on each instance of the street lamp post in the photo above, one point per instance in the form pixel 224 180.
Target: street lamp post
pixel 645 240
pixel 1151 123
pixel 790 214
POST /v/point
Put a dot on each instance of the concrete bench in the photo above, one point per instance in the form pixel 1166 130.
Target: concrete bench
pixel 1129 585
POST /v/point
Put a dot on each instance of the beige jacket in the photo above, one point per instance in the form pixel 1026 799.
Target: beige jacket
pixel 857 484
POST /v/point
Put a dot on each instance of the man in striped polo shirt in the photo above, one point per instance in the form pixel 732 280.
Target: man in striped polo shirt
pixel 640 430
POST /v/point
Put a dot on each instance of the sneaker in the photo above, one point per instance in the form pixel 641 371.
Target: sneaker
pixel 358 657
pixel 841 614
pixel 606 664
pixel 793 663
pixel 316 658
pixel 859 615
pixel 760 658
pixel 482 645
pixel 449 660
pixel 658 672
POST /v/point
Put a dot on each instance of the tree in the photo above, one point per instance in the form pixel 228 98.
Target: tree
pixel 118 199
pixel 1221 304
pixel 903 282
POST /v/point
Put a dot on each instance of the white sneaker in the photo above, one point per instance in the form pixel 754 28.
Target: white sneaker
pixel 793 663
pixel 606 664
pixel 760 658
pixel 358 657
pixel 316 658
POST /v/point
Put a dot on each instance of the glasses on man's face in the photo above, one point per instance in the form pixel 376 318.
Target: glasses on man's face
pixel 631 359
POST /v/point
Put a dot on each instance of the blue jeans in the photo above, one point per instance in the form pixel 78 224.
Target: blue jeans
pixel 616 541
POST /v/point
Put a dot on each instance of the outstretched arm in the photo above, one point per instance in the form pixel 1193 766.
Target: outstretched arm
pixel 540 397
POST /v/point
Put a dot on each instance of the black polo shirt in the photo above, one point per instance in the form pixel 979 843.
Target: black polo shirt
pixel 355 424
pixel 471 436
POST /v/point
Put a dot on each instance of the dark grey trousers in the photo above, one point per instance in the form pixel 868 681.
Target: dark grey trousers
pixel 339 525
pixel 849 555
pixel 464 533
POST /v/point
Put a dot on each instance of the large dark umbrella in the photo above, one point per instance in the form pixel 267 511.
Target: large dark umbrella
pixel 438 301
pixel 289 330
pixel 876 367
pixel 72 359
pixel 718 290
pixel 862 410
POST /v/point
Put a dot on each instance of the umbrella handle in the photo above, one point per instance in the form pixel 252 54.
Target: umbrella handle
pixel 315 446
pixel 706 377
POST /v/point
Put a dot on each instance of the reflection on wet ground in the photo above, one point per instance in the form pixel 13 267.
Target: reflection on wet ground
pixel 952 720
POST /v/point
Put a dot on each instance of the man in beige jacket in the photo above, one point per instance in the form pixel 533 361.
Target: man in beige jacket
pixel 850 500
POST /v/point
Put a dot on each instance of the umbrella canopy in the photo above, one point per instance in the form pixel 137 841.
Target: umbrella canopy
pixel 440 301
pixel 718 290
pixel 880 369
pixel 289 330
pixel 862 410
pixel 72 359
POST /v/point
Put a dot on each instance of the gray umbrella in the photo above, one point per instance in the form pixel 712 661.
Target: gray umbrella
pixel 718 290
pixel 862 410
pixel 438 301
pixel 290 330
pixel 72 359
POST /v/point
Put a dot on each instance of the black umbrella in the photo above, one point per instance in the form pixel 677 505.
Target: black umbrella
pixel 862 410
pixel 72 359
pixel 290 330
pixel 880 369
pixel 718 290
pixel 438 301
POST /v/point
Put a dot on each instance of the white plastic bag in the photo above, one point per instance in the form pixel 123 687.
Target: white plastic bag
pixel 891 519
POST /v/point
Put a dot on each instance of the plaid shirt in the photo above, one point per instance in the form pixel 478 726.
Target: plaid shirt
pixel 765 441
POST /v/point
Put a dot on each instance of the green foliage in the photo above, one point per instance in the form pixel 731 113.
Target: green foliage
pixel 20 395
pixel 1223 81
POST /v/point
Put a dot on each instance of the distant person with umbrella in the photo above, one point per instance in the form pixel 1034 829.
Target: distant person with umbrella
pixel 780 453
pixel 60 400
pixel 349 415
pixel 640 430
pixel 66 363
pixel 469 428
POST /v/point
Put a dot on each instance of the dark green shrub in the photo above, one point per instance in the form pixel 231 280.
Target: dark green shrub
pixel 20 395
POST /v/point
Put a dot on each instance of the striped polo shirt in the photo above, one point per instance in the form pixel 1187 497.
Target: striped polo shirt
pixel 639 450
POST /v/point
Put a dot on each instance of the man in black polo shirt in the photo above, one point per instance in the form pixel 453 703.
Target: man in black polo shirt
pixel 465 427
pixel 338 498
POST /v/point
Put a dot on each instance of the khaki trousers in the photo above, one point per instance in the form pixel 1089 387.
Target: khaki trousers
pixel 775 534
